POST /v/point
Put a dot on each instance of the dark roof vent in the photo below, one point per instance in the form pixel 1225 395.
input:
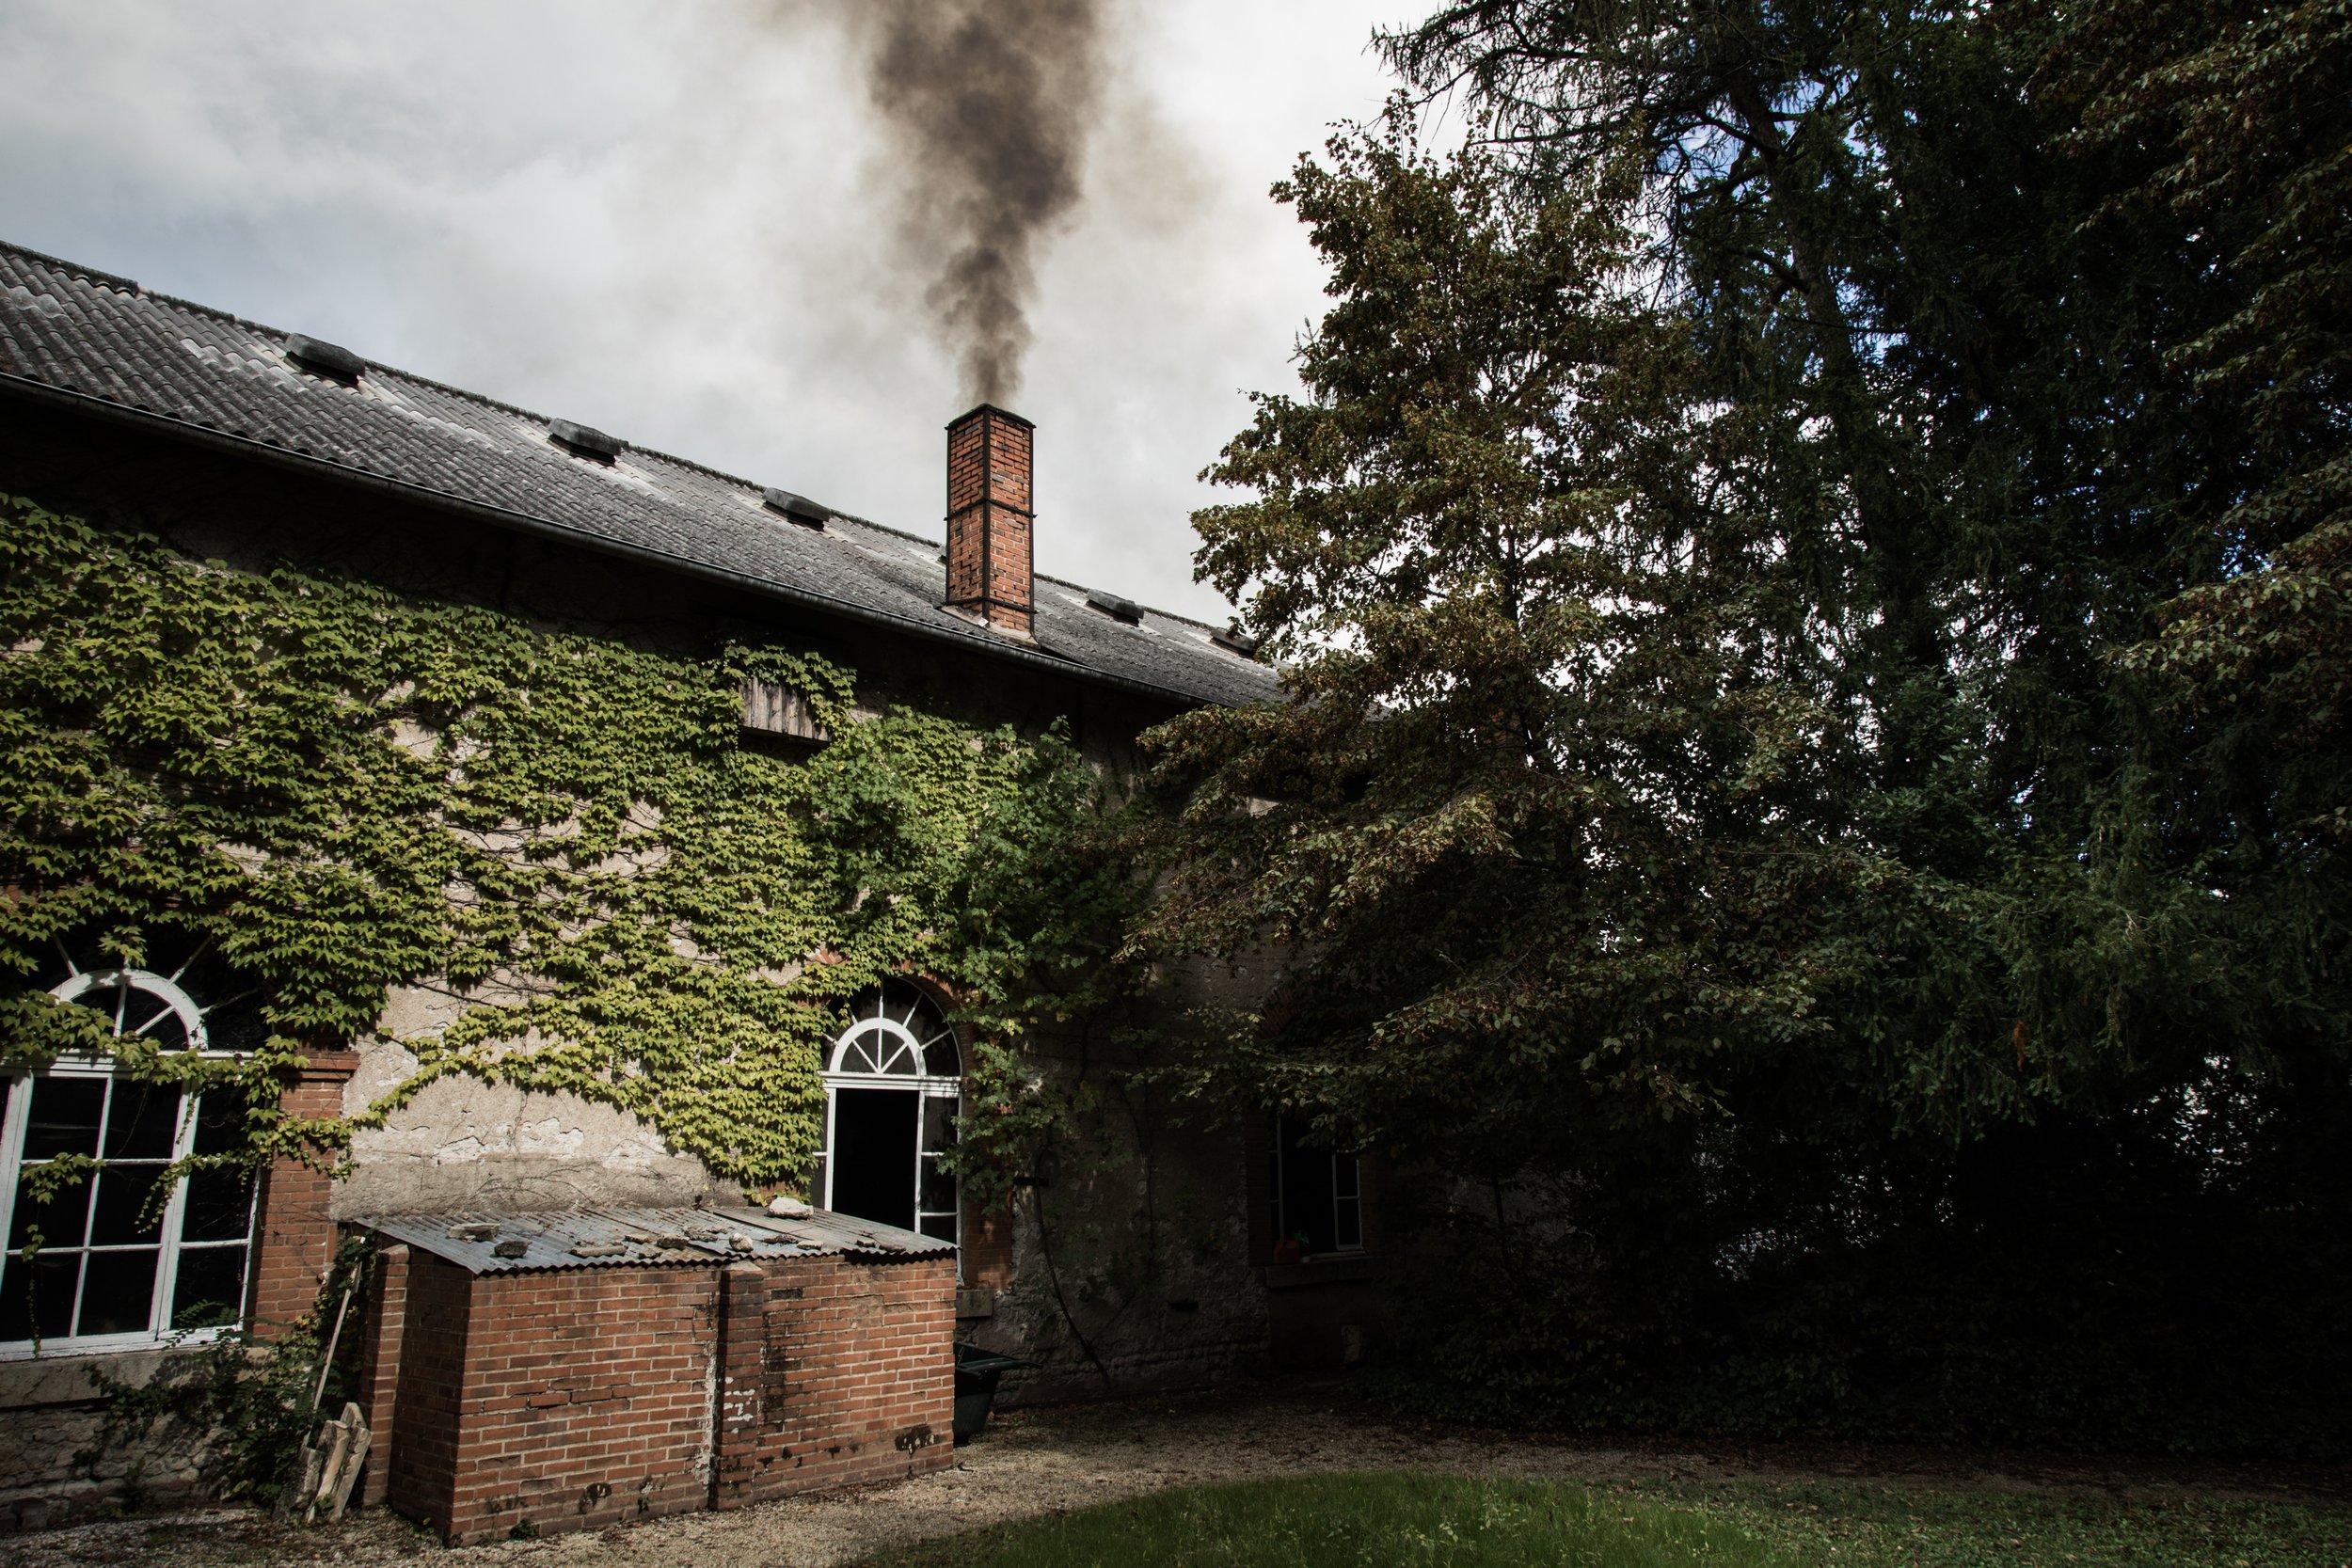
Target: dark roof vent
pixel 327 359
pixel 1236 640
pixel 1115 607
pixel 586 440
pixel 799 508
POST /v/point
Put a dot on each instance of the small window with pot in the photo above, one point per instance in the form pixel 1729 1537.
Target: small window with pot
pixel 102 1254
pixel 1317 1195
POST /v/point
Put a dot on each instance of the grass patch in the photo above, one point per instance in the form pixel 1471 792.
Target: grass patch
pixel 1374 1520
pixel 1359 1521
pixel 1920 1526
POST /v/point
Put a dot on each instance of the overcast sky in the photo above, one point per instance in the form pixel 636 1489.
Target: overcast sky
pixel 672 222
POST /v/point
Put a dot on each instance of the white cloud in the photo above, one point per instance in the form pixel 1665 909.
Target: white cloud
pixel 665 221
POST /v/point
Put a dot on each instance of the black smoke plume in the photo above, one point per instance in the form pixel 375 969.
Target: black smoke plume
pixel 990 103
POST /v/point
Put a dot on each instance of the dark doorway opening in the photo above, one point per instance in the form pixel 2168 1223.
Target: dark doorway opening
pixel 874 1154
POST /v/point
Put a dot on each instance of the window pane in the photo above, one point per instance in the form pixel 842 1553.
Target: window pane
pixel 939 1188
pixel 219 1122
pixel 939 1123
pixel 1308 1202
pixel 1273 1182
pixel 1344 1176
pixel 940 1225
pixel 59 1221
pixel 154 1019
pixel 64 1116
pixel 1351 1223
pixel 40 1296
pixel 940 1059
pixel 128 1206
pixel 219 1206
pixel 210 1292
pixel 109 996
pixel 142 1120
pixel 118 1293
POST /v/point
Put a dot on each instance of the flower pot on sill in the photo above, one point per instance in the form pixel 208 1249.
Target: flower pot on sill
pixel 1288 1251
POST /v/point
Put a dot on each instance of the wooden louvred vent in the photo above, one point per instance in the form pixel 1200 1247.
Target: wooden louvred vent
pixel 778 710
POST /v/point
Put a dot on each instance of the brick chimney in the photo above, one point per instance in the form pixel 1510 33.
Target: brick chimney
pixel 988 513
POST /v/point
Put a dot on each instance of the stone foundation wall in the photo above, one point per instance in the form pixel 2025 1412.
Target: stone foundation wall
pixel 51 1411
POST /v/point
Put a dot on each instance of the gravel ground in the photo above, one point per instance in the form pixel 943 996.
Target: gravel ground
pixel 1051 1461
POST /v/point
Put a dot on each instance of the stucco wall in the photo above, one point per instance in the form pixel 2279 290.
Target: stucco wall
pixel 464 1144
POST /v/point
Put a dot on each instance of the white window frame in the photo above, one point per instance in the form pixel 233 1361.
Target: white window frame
pixel 178 1004
pixel 895 1042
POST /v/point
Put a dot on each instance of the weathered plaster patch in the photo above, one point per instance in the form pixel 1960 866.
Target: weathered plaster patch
pixel 415 739
pixel 465 1144
pixel 549 1136
pixel 412 1011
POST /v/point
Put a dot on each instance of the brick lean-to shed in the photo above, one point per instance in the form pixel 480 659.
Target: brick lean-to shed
pixel 553 1371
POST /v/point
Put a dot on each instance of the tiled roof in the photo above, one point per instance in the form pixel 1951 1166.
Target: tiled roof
pixel 649 1238
pixel 69 334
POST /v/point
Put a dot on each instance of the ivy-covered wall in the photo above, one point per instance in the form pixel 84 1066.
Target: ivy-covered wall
pixel 335 789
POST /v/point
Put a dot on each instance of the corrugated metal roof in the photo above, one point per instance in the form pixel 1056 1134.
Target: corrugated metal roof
pixel 103 343
pixel 647 1238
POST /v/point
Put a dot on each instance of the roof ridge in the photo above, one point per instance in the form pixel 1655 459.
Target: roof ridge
pixel 484 400
pixel 87 275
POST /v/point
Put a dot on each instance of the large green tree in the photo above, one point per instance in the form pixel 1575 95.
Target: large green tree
pixel 1760 758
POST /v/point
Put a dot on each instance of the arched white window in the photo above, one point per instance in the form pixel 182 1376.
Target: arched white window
pixel 105 1260
pixel 894 1084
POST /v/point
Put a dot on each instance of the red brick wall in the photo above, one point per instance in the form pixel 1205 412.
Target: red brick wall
pixel 990 499
pixel 379 1392
pixel 424 1434
pixel 855 1378
pixel 583 1401
pixel 586 1397
pixel 295 1242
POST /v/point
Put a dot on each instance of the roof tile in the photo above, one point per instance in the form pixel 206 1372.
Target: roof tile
pixel 149 351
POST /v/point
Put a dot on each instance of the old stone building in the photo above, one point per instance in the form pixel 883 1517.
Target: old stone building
pixel 1207 1251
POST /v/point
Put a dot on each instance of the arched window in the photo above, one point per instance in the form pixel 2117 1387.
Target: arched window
pixel 105 1260
pixel 894 1084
